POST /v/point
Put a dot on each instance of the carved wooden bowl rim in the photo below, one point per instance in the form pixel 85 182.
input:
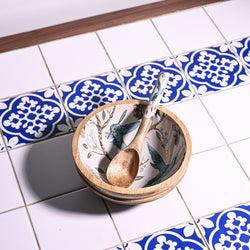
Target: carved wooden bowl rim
pixel 130 193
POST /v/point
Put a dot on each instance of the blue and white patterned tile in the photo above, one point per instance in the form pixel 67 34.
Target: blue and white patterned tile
pixel 82 97
pixel 32 117
pixel 140 80
pixel 243 50
pixel 184 237
pixel 2 147
pixel 212 69
pixel 229 229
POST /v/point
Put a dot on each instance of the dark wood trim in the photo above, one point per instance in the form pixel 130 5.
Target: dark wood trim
pixel 96 23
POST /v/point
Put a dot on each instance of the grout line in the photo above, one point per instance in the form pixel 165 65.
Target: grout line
pixel 175 60
pixel 200 97
pixel 111 217
pixel 227 144
pixel 224 209
pixel 22 195
pixel 25 93
pixel 209 149
pixel 157 231
pixel 57 196
pixel 33 228
pixel 12 209
pixel 236 158
pixel 244 139
pixel 40 140
pixel 57 91
pixel 116 71
pixel 215 25
pixel 227 41
pixel 194 221
pixel 115 247
pixel 53 85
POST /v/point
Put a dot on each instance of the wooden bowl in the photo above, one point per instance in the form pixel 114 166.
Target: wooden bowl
pixel 108 129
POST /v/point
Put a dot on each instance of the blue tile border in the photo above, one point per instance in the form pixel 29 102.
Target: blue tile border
pixel 2 147
pixel 31 117
pixel 243 50
pixel 229 229
pixel 174 238
pixel 139 81
pixel 82 97
pixel 213 69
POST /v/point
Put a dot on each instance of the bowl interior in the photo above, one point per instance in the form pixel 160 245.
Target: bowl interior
pixel 110 129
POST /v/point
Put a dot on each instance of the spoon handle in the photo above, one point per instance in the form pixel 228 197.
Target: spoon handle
pixel 155 98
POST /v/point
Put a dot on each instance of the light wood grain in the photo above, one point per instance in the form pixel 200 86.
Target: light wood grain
pixel 94 23
pixel 131 193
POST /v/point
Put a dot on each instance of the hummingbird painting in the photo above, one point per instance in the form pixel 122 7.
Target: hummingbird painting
pixel 117 131
pixel 159 164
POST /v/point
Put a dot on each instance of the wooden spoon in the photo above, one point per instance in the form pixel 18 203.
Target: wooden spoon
pixel 123 169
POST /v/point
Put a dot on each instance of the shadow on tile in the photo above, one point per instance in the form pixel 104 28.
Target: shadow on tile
pixel 49 170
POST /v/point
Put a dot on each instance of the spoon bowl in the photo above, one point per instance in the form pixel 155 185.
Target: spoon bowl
pixel 123 169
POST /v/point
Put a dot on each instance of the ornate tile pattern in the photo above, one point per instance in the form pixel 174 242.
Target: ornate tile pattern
pixel 184 237
pixel 82 97
pixel 229 229
pixel 243 49
pixel 2 147
pixel 140 79
pixel 31 117
pixel 213 69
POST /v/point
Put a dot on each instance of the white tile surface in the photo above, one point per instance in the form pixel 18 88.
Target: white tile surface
pixel 75 57
pixel 230 110
pixel 187 30
pixel 214 181
pixel 232 17
pixel 10 195
pixel 136 221
pixel 16 232
pixel 241 150
pixel 133 43
pixel 21 71
pixel 46 168
pixel 203 132
pixel 75 221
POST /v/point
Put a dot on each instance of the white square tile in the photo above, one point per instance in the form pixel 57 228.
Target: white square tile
pixel 139 220
pixel 214 181
pixel 75 57
pixel 203 132
pixel 133 43
pixel 22 70
pixel 231 17
pixel 46 168
pixel 230 110
pixel 16 231
pixel 10 196
pixel 241 150
pixel 187 30
pixel 75 221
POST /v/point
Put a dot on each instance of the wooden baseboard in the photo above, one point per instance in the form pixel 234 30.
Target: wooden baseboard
pixel 96 23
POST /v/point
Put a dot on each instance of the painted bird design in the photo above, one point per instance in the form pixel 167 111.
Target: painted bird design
pixel 160 165
pixel 117 131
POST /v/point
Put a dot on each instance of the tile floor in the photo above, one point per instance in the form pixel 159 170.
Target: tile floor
pixel 47 89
